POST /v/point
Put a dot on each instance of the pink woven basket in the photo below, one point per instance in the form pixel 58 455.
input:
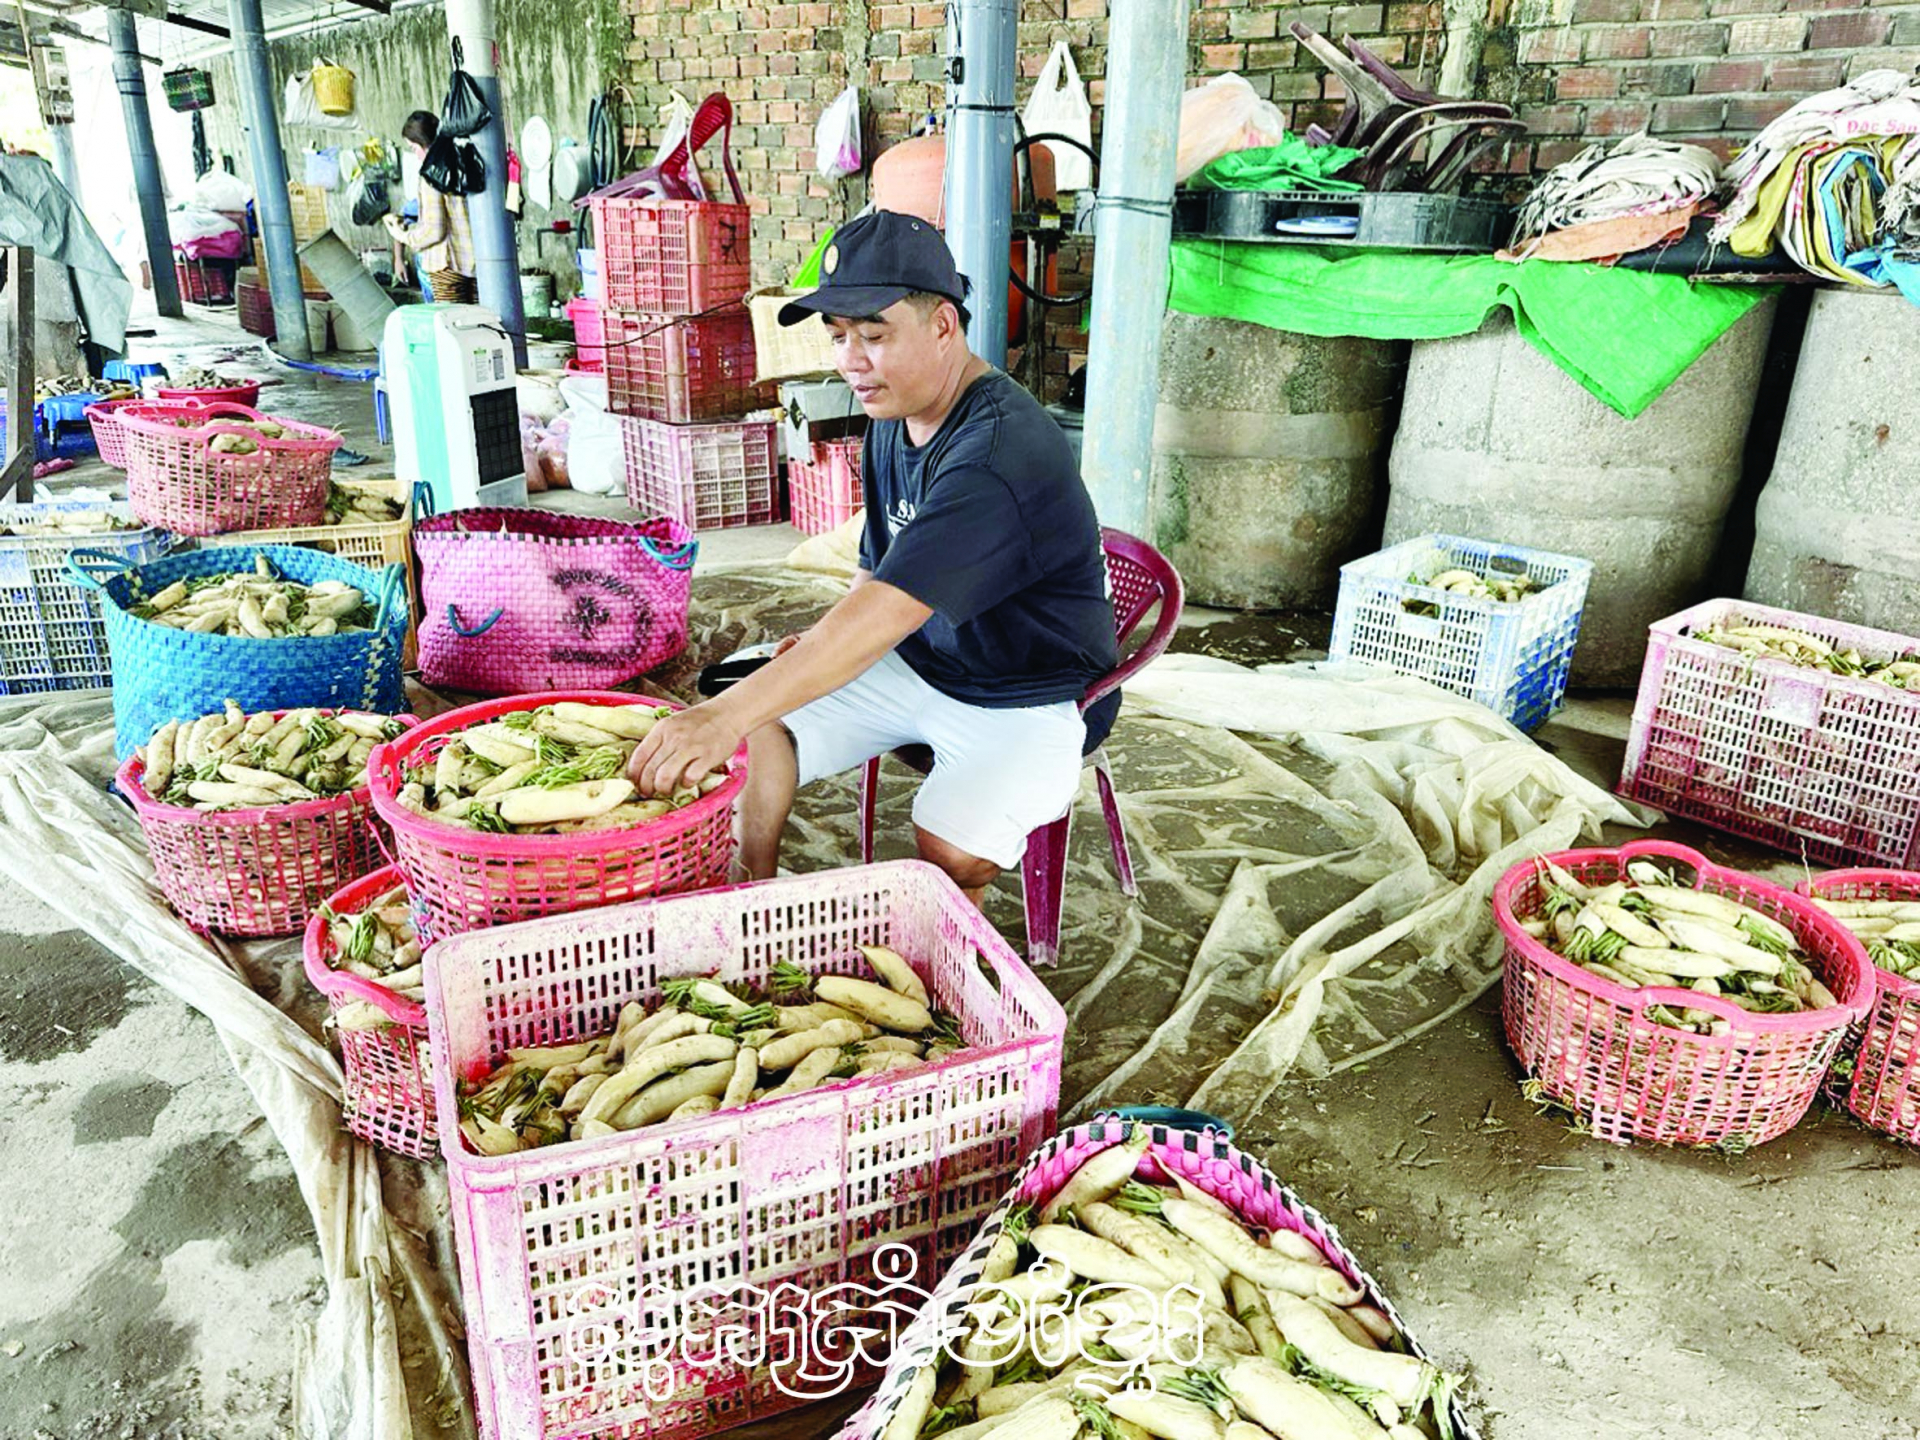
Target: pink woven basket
pixel 1204 1159
pixel 247 394
pixel 389 1090
pixel 461 880
pixel 176 480
pixel 254 872
pixel 583 1264
pixel 1883 1090
pixel 1590 1045
pixel 518 600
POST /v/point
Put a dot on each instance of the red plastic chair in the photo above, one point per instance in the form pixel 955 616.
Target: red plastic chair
pixel 1140 578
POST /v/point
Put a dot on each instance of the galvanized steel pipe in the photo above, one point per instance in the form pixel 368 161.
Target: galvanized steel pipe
pixel 132 84
pixel 496 259
pixel 983 46
pixel 260 114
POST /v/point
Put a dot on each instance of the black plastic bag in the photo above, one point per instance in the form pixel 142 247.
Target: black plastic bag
pixel 465 111
pixel 473 168
pixel 441 168
pixel 369 199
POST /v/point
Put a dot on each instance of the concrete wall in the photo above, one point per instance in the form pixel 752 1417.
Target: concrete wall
pixel 555 57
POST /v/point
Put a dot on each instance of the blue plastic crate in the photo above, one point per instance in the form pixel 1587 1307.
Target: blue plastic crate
pixel 52 633
pixel 1511 656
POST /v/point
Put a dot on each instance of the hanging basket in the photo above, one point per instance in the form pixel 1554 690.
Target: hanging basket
pixel 188 88
pixel 333 88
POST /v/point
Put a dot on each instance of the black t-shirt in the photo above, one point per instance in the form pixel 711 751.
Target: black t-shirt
pixel 989 525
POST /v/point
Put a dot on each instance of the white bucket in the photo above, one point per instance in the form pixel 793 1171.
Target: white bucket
pixel 319 312
pixel 536 294
pixel 589 273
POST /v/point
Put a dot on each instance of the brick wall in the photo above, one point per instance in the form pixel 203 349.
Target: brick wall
pixel 1710 71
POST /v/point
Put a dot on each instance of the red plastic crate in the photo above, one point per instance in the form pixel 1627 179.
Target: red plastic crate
pixel 201 284
pixel 256 308
pixel 1823 766
pixel 673 257
pixel 825 492
pixel 594 1272
pixel 660 367
pixel 708 477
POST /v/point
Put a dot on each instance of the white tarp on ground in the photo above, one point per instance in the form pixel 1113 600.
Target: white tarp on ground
pixel 1315 852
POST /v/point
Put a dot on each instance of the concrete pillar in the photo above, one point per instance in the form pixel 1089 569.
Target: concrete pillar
pixel 1834 534
pixel 1268 453
pixel 495 256
pixel 63 161
pixel 1496 442
pixel 132 83
pixel 260 114
pixel 983 41
pixel 1133 233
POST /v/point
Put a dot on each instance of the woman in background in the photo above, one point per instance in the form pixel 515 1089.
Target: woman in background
pixel 441 238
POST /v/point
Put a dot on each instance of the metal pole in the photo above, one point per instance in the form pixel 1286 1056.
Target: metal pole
pixel 983 45
pixel 496 261
pixel 1133 229
pixel 132 82
pixel 260 114
pixel 63 161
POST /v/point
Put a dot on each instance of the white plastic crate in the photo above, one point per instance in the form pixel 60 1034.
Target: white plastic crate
pixel 1824 766
pixel 578 1261
pixel 52 634
pixel 1511 656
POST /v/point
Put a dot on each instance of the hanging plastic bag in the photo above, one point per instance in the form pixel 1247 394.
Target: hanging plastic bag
pixel 298 106
pixel 1224 115
pixel 1058 106
pixel 473 169
pixel 677 118
pixel 836 138
pixel 323 168
pixel 466 111
pixel 441 167
pixel 369 198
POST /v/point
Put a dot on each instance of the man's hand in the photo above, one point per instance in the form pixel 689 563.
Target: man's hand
pixel 682 750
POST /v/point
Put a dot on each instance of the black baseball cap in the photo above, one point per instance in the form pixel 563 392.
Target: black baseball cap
pixel 876 261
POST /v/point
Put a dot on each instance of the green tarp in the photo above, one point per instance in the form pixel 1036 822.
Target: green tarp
pixel 1622 334
pixel 1293 164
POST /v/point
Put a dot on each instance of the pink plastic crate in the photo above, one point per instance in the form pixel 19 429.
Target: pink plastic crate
pixel 1823 766
pixel 461 880
pixel 1204 1159
pixel 589 350
pixel 1590 1045
pixel 683 371
pixel 708 477
pixel 388 1098
pixel 825 492
pixel 1884 1088
pixel 577 1260
pixel 673 257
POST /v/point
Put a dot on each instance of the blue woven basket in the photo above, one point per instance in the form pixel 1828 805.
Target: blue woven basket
pixel 162 674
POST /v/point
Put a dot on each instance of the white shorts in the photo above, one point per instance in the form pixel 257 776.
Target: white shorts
pixel 997 774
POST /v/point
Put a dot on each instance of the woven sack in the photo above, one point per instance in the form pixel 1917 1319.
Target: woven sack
pixel 520 600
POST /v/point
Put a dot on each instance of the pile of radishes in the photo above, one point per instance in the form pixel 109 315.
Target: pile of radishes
pixel 708 1047
pixel 379 944
pixel 1125 1309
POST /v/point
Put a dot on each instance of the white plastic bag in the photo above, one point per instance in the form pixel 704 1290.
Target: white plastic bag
pixel 596 453
pixel 217 190
pixel 1058 106
pixel 299 107
pixel 836 137
pixel 1220 117
pixel 323 168
pixel 677 118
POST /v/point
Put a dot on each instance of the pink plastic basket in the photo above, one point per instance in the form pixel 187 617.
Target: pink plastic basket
pixel 673 257
pixel 1825 767
pixel 389 1090
pixel 174 478
pixel 254 872
pixel 680 370
pixel 579 1261
pixel 1205 1159
pixel 1589 1044
pixel 518 600
pixel 245 394
pixel 1884 1089
pixel 825 492
pixel 588 345
pixel 708 477
pixel 107 436
pixel 461 880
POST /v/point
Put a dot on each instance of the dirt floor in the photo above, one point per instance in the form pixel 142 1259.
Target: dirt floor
pixel 159 1246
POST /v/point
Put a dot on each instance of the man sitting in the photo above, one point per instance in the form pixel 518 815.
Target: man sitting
pixel 979 614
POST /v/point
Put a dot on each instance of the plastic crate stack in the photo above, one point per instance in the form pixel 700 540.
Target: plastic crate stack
pixel 676 341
